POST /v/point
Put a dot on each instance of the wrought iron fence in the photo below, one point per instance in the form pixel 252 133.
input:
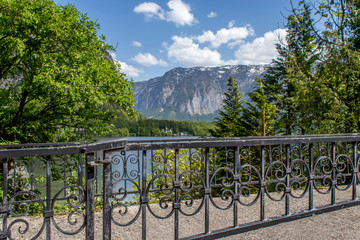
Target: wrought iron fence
pixel 129 185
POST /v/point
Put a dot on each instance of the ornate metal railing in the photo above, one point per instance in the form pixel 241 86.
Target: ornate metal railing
pixel 128 188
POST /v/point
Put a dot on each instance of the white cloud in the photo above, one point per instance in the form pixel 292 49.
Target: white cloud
pixel 225 35
pixel 261 50
pixel 148 60
pixel 212 15
pixel 179 13
pixel 129 70
pixel 150 10
pixel 231 23
pixel 136 44
pixel 188 53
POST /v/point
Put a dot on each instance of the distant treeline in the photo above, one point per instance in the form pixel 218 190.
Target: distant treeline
pixel 151 127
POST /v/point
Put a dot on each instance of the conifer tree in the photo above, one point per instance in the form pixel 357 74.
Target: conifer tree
pixel 259 116
pixel 228 123
pixel 293 69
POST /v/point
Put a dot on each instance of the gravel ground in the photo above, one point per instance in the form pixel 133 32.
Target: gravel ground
pixel 341 224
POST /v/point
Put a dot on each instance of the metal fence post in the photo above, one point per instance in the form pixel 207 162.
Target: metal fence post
pixel 177 203
pixel 333 173
pixel 48 213
pixel 144 197
pixel 237 185
pixel 355 170
pixel 263 183
pixel 4 208
pixel 311 176
pixel 288 175
pixel 90 197
pixel 80 169
pixel 207 190
pixel 107 197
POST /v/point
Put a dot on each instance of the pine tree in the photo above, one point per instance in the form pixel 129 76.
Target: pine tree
pixel 289 75
pixel 259 117
pixel 228 123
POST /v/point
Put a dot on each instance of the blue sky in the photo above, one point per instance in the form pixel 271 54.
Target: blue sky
pixel 152 37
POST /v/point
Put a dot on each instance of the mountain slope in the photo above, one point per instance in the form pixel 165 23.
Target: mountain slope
pixel 191 93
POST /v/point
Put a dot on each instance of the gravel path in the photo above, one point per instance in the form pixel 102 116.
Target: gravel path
pixel 341 224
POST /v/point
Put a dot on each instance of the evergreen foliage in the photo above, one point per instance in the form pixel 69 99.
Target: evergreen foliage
pixel 142 126
pixel 313 86
pixel 315 80
pixel 259 116
pixel 228 122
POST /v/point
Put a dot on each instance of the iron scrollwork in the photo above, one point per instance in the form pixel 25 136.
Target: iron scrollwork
pixel 20 208
pixel 75 198
pixel 118 198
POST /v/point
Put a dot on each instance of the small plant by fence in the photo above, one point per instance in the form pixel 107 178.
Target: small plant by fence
pixel 129 182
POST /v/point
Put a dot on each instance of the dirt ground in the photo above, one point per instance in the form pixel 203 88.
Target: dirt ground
pixel 341 224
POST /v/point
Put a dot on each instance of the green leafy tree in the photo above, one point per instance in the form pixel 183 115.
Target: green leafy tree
pixel 259 116
pixel 55 74
pixel 228 123
pixel 315 80
pixel 289 75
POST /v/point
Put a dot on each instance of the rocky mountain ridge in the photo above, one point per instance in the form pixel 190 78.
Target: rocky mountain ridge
pixel 191 93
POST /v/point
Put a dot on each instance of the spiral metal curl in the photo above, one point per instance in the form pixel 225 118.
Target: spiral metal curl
pixel 189 201
pixel 158 159
pixel 188 185
pixel 299 177
pixel 323 150
pixel 117 159
pixel 166 188
pixel 196 156
pixel 322 173
pixel 116 174
pixel 277 169
pixel 132 159
pixel 245 153
pixel 296 175
pixel 74 201
pixel 296 151
pixel 276 153
pixel 122 211
pixel 341 167
pixel 119 194
pixel 230 153
pixel 249 178
pixel 26 228
pixel 227 195
pixel 24 208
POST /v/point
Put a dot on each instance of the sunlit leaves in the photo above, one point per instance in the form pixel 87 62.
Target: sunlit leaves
pixel 55 73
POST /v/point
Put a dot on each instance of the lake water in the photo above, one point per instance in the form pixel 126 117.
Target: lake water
pixel 129 166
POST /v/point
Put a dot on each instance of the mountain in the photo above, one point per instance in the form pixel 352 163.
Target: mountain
pixel 191 93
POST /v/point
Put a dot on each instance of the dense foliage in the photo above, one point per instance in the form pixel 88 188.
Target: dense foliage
pixel 55 74
pixel 241 118
pixel 313 87
pixel 228 122
pixel 141 126
pixel 259 116
pixel 315 80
